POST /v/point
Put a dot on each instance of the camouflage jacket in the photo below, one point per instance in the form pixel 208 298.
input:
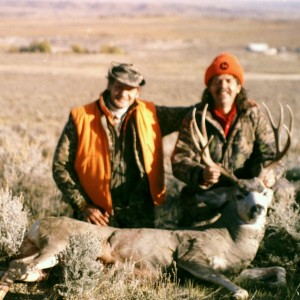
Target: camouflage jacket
pixel 249 144
pixel 129 186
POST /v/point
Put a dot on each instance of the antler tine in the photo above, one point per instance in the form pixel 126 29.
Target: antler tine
pixel 288 130
pixel 276 129
pixel 192 128
pixel 202 137
pixel 291 125
pixel 277 133
pixel 203 126
pixel 203 148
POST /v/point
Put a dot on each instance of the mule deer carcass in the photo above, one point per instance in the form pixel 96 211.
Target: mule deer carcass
pixel 228 245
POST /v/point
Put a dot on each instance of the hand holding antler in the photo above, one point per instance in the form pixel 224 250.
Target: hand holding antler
pixel 211 175
pixel 212 170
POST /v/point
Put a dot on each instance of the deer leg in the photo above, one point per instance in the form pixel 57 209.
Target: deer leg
pixel 24 269
pixel 15 271
pixel 3 288
pixel 28 269
pixel 278 273
pixel 205 273
pixel 3 291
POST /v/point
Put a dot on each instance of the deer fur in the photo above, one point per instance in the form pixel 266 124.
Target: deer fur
pixel 226 246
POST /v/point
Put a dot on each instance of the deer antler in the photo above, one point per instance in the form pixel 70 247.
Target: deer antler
pixel 204 143
pixel 203 149
pixel 277 134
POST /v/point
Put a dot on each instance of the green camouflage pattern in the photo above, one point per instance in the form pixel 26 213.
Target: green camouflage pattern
pixel 249 145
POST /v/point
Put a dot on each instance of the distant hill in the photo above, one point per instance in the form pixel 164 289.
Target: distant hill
pixel 276 9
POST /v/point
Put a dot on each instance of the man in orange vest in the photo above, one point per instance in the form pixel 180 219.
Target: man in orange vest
pixel 108 163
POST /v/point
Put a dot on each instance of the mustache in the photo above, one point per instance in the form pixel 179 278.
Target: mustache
pixel 119 97
pixel 221 90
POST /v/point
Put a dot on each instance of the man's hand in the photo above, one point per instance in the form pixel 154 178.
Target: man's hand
pixel 211 175
pixel 268 177
pixel 92 214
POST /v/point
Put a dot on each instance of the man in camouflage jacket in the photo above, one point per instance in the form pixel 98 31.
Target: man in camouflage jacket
pixel 243 139
pixel 108 163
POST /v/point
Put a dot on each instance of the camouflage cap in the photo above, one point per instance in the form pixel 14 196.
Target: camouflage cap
pixel 126 74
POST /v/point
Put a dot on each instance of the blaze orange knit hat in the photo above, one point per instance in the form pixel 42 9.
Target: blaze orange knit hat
pixel 225 63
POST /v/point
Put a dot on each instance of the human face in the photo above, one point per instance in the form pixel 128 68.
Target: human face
pixel 224 89
pixel 122 95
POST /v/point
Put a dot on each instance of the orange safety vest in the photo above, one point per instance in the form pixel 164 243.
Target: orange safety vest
pixel 92 162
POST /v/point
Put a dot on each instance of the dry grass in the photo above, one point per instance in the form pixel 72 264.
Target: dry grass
pixel 38 90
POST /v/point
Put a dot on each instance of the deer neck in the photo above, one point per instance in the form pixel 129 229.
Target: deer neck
pixel 239 231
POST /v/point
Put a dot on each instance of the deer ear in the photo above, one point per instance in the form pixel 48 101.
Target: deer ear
pixel 214 198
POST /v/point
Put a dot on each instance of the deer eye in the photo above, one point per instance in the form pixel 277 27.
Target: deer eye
pixel 265 193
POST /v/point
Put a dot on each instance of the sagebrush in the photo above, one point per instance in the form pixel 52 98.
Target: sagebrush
pixel 13 223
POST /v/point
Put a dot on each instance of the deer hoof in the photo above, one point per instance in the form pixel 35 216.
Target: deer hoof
pixel 34 276
pixel 241 295
pixel 281 276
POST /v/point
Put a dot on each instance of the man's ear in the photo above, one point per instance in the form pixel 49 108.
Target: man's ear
pixel 110 81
